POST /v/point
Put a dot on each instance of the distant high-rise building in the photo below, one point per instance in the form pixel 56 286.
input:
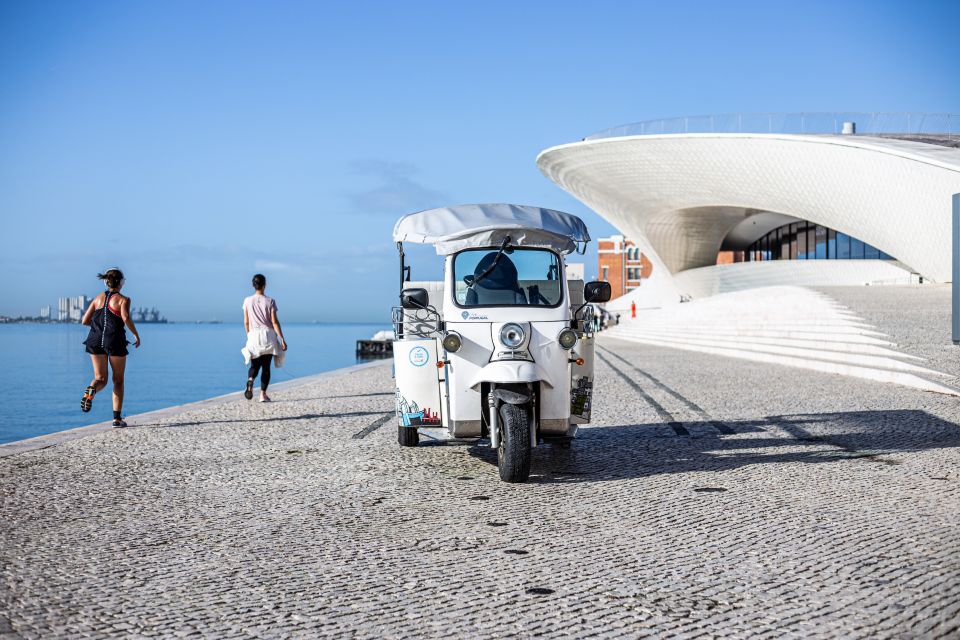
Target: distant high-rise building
pixel 71 309
pixel 78 304
pixel 45 312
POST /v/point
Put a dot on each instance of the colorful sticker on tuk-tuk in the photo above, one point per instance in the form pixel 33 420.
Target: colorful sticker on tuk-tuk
pixel 419 356
pixel 580 395
pixel 411 415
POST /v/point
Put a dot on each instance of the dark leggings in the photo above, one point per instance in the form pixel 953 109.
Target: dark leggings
pixel 255 366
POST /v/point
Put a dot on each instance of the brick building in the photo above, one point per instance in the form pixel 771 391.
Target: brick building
pixel 621 263
pixel 729 257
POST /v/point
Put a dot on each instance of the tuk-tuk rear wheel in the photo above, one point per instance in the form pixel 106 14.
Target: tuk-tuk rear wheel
pixel 513 454
pixel 408 436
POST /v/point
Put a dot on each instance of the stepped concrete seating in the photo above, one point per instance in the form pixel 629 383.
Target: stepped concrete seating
pixel 786 325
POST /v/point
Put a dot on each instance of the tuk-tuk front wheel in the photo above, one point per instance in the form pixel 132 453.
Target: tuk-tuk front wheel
pixel 408 436
pixel 513 454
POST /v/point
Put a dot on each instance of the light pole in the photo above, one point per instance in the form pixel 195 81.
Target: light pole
pixel 956 268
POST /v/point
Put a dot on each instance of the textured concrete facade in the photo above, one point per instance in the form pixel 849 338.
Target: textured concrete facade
pixel 681 196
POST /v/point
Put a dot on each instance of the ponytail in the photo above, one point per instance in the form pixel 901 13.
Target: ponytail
pixel 113 278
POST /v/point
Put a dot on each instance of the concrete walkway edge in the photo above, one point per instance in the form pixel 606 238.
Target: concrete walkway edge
pixel 58 437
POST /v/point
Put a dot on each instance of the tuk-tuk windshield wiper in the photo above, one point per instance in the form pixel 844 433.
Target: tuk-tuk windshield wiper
pixel 496 259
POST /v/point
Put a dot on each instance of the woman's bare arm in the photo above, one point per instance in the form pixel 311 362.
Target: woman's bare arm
pixel 88 314
pixel 127 320
pixel 276 327
pixel 246 321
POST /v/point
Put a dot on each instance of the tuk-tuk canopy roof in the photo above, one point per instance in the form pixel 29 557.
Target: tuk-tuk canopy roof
pixel 459 227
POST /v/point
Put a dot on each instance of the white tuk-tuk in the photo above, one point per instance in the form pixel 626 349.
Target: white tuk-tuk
pixel 503 347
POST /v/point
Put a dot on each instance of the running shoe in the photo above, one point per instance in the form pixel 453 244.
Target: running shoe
pixel 86 402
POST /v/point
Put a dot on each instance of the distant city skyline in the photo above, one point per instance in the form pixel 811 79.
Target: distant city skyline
pixel 194 145
pixel 72 308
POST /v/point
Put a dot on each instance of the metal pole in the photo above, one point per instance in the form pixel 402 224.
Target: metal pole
pixel 623 267
pixel 956 268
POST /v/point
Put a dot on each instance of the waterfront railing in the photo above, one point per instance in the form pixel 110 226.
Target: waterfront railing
pixel 899 124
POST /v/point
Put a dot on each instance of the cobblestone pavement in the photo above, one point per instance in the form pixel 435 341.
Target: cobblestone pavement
pixel 711 498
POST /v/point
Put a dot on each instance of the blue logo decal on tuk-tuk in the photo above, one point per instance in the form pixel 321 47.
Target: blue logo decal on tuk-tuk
pixel 465 314
pixel 419 356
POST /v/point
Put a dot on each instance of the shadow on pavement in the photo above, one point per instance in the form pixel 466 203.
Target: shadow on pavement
pixel 355 395
pixel 246 419
pixel 640 450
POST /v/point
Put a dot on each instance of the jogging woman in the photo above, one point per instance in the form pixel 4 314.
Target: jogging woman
pixel 106 316
pixel 264 337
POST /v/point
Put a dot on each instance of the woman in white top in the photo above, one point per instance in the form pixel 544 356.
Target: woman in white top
pixel 264 337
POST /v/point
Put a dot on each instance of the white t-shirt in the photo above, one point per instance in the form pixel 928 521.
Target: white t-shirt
pixel 259 311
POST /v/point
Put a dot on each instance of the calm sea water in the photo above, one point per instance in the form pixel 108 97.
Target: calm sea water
pixel 45 369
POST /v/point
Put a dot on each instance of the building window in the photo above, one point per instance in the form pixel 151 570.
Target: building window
pixel 820 243
pixel 843 246
pixel 856 249
pixel 805 241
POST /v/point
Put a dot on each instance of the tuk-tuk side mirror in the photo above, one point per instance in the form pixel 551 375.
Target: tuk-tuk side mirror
pixel 414 298
pixel 597 292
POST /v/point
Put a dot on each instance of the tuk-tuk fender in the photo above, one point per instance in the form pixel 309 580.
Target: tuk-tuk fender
pixel 503 394
pixel 507 371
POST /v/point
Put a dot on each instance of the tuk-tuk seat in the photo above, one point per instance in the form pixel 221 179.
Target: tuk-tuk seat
pixel 495 282
pixel 480 295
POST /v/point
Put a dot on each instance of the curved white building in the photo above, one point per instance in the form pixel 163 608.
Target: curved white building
pixel 687 196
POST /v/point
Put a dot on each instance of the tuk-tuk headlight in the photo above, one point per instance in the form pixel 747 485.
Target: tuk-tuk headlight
pixel 567 338
pixel 512 335
pixel 452 342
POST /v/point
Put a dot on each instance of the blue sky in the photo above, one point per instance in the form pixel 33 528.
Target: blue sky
pixel 194 144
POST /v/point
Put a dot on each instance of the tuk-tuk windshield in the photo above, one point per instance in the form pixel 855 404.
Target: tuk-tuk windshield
pixel 516 277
